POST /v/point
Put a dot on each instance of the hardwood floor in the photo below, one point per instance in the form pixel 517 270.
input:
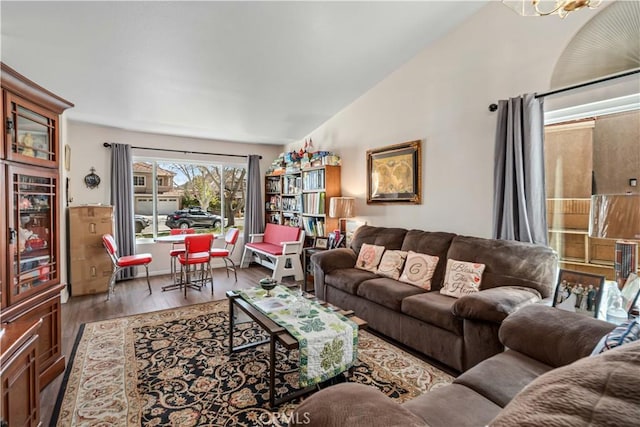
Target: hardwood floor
pixel 132 297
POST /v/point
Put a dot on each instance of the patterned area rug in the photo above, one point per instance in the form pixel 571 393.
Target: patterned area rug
pixel 172 368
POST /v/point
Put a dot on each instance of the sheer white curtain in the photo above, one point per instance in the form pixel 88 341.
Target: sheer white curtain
pixel 519 204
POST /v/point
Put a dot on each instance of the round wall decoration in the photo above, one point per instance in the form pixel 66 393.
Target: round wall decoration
pixel 92 180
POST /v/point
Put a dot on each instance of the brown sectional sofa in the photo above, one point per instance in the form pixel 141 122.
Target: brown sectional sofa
pixel 547 351
pixel 457 332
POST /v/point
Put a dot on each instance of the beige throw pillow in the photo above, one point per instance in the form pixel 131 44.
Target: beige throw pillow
pixel 391 264
pixel 419 269
pixel 369 257
pixel 462 278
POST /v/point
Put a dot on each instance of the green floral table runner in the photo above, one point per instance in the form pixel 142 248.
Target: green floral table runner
pixel 328 341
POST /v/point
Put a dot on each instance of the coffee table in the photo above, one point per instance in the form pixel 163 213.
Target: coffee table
pixel 277 334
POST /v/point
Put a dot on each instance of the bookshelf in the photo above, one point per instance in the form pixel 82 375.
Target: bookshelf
pixel 319 184
pixel 301 199
pixel 273 199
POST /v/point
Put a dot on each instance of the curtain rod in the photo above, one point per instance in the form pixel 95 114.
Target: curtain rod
pixel 107 145
pixel 494 107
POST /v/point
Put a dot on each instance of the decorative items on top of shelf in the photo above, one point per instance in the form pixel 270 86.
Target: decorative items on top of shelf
pixel 293 161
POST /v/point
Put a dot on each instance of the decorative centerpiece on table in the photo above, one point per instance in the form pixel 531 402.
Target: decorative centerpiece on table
pixel 268 284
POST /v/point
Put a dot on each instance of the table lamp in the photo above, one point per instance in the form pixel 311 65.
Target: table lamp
pixel 341 208
pixel 617 216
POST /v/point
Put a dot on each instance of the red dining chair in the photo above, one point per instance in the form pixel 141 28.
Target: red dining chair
pixel 120 262
pixel 230 239
pixel 196 254
pixel 177 248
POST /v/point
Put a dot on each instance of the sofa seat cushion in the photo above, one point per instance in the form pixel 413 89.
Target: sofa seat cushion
pixel 348 279
pixel 453 405
pixel 502 376
pixel 387 292
pixel 435 309
pixel 264 247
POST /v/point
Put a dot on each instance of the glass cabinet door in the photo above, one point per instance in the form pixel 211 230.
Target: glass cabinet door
pixel 33 224
pixel 31 133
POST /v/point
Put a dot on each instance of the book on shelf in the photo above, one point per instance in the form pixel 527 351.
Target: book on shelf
pixel 313 180
pixel 314 203
pixel 314 226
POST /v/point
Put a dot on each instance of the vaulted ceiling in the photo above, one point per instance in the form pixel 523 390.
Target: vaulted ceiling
pixel 265 72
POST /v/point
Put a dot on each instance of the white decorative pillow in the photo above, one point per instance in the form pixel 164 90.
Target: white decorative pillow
pixel 419 269
pixel 462 278
pixel 391 264
pixel 369 257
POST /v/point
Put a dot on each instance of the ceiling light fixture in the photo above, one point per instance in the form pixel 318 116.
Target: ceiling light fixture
pixel 549 7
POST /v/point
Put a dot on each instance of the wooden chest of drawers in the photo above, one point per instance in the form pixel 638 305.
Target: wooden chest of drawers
pixel 90 265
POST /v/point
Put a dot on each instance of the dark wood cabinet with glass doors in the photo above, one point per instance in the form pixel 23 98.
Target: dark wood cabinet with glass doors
pixel 30 205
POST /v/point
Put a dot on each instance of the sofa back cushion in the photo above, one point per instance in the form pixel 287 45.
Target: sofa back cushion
pixel 390 238
pixel 430 243
pixel 508 262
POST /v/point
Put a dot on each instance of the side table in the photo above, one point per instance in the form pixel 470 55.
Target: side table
pixel 307 266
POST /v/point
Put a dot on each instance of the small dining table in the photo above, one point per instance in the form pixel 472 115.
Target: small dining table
pixel 174 239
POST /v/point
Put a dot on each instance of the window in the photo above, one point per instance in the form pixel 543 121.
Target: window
pixel 596 154
pixel 138 181
pixel 208 197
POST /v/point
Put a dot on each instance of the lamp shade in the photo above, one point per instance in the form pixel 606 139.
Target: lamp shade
pixel 341 207
pixel 615 216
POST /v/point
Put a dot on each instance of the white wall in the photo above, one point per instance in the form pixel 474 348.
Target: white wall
pixel 87 150
pixel 441 97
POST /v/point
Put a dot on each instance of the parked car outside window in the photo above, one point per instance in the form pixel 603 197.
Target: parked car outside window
pixel 193 218
pixel 141 223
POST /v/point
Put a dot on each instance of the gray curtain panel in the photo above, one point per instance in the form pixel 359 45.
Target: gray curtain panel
pixel 122 201
pixel 519 204
pixel 253 213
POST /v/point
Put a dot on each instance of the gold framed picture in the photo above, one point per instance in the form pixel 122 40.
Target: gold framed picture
pixel 394 174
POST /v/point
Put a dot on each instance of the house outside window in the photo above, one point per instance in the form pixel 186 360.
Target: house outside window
pixel 208 197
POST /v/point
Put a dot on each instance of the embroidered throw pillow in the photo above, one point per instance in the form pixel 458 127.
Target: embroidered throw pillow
pixel 419 269
pixel 369 257
pixel 391 264
pixel 626 332
pixel 462 278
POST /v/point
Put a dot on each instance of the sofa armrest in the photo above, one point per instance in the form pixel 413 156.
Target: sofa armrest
pixel 552 336
pixel 354 405
pixel 495 304
pixel 334 259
